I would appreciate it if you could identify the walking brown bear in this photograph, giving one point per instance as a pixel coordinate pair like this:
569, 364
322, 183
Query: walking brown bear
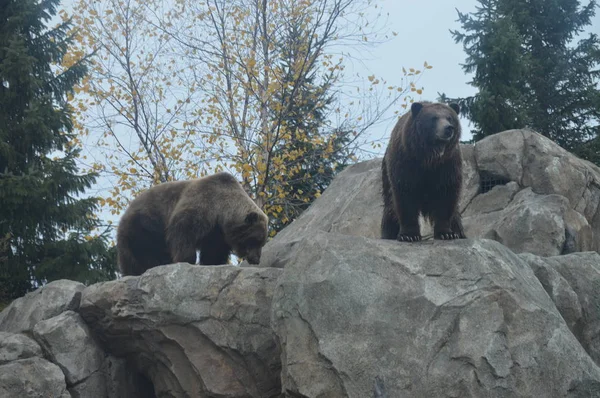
170, 221
422, 173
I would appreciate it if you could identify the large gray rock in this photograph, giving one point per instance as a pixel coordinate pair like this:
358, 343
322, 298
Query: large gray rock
434, 319
532, 160
528, 222
514, 191
44, 303
193, 331
17, 346
32, 377
351, 205
573, 283
67, 342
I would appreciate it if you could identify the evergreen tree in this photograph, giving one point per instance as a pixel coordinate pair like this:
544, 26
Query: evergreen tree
44, 227
528, 71
326, 151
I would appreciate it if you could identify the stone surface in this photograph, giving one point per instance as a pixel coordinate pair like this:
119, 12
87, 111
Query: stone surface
573, 283
17, 346
497, 199
67, 342
48, 301
501, 155
538, 224
351, 205
32, 378
193, 331
358, 316
471, 179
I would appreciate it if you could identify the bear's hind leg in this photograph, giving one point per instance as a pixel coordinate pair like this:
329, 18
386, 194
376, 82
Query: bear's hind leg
389, 225
127, 261
183, 234
138, 244
443, 222
214, 249
457, 227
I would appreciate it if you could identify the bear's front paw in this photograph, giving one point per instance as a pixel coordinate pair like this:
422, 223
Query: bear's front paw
448, 236
409, 238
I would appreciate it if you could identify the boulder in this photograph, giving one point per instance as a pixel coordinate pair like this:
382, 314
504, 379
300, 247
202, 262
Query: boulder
67, 342
359, 317
17, 346
527, 222
44, 303
190, 330
32, 377
573, 283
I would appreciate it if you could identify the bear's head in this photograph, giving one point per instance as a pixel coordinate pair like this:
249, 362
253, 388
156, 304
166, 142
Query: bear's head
248, 237
435, 129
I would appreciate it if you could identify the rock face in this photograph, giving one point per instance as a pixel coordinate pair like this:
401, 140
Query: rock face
193, 331
48, 301
334, 311
32, 377
520, 189
68, 343
177, 331
573, 283
17, 346
562, 192
436, 319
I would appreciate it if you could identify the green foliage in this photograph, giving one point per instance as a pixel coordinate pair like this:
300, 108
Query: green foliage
530, 72
323, 151
45, 228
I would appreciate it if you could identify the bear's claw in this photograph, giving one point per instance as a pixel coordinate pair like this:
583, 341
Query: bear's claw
448, 236
409, 238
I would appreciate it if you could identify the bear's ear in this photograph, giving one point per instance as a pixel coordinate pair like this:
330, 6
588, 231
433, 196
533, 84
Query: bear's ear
455, 107
415, 108
251, 218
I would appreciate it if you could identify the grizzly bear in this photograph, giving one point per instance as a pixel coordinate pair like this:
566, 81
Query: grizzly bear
422, 173
170, 221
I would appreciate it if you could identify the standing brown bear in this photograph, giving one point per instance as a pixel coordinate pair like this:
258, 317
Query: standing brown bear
170, 221
422, 173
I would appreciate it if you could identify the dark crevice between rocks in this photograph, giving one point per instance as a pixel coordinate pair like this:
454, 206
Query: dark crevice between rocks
142, 385
570, 245
379, 388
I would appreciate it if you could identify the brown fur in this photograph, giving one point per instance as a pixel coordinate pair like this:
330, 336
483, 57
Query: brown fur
422, 173
170, 221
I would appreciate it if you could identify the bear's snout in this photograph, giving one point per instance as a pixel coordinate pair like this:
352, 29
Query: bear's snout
446, 134
253, 259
